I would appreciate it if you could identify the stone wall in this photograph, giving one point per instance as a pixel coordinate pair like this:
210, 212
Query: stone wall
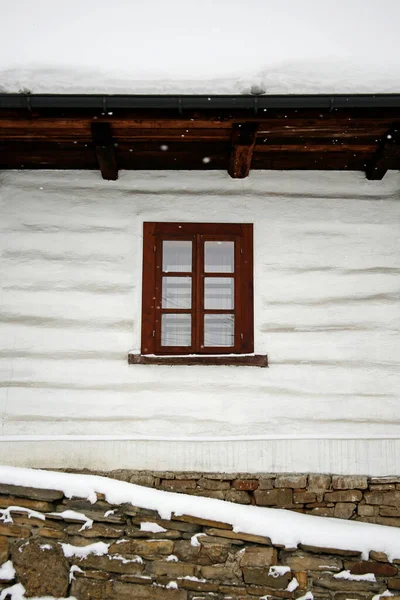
361, 498
104, 552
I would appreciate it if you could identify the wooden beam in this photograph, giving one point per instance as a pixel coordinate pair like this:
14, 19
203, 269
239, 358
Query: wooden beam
17, 155
243, 141
254, 360
387, 155
105, 150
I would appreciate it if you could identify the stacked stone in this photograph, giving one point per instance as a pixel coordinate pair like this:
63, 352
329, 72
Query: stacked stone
185, 558
361, 498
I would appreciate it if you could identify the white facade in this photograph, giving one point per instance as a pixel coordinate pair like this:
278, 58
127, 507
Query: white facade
327, 312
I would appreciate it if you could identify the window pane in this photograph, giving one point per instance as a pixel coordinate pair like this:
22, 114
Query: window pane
176, 292
177, 256
219, 293
219, 330
219, 257
176, 330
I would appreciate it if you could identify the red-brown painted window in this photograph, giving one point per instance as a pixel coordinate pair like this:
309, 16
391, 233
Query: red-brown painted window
197, 288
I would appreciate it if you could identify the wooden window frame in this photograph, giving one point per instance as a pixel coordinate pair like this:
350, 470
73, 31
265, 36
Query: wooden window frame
153, 235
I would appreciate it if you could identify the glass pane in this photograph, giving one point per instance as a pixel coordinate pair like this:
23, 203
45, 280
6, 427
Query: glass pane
176, 330
219, 293
219, 330
176, 292
177, 256
219, 257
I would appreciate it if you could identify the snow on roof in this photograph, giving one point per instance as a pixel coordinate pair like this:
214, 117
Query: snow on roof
281, 526
294, 77
187, 47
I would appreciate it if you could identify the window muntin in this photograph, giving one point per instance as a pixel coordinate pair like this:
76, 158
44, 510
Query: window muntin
197, 289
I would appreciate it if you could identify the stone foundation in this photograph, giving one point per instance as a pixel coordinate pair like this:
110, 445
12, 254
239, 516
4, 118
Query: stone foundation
120, 551
357, 497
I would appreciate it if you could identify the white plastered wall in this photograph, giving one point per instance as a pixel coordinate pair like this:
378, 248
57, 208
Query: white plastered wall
327, 312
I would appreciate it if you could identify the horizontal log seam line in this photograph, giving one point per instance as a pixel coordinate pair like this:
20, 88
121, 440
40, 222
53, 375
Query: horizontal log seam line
213, 439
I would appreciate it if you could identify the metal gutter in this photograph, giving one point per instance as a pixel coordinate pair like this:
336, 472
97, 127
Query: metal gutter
193, 102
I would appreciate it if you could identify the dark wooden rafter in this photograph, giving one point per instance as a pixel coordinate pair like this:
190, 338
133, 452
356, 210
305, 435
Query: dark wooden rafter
243, 142
387, 156
105, 150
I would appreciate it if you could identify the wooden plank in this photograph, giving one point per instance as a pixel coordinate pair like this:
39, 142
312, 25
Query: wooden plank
335, 132
172, 160
83, 124
315, 140
247, 289
304, 161
253, 360
243, 141
316, 147
223, 117
201, 148
105, 151
46, 156
170, 135
52, 156
149, 284
210, 229
162, 137
387, 156
65, 134
64, 128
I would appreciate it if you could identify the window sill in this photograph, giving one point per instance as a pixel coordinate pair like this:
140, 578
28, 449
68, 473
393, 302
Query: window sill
238, 360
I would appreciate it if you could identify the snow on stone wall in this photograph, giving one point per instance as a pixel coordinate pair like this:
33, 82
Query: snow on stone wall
327, 312
89, 537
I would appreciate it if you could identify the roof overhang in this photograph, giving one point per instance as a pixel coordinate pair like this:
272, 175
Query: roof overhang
235, 132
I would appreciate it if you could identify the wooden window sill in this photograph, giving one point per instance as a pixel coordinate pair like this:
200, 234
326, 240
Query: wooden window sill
238, 360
